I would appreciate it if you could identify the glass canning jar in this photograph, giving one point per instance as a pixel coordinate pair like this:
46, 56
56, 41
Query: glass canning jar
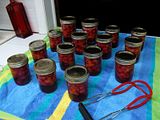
18, 65
38, 49
90, 25
79, 41
46, 74
92, 59
104, 41
114, 31
55, 37
77, 82
124, 65
68, 24
66, 54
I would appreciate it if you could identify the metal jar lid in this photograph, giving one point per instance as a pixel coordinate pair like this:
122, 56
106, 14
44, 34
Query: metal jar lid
18, 60
92, 51
90, 22
53, 33
65, 48
138, 31
104, 38
76, 74
44, 66
112, 29
79, 35
37, 45
68, 20
125, 57
132, 41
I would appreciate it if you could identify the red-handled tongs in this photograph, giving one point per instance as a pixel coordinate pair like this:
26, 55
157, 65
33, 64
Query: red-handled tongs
136, 103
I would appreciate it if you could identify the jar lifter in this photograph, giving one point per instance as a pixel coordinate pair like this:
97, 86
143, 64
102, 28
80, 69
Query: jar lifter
122, 88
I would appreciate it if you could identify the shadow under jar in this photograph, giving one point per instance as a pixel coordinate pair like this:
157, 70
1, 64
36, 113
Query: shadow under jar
18, 65
139, 32
79, 41
90, 25
105, 43
77, 82
92, 59
55, 37
124, 66
66, 54
46, 74
68, 24
133, 44
114, 31
38, 50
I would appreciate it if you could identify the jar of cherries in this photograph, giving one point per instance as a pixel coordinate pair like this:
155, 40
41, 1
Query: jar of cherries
38, 49
18, 65
46, 74
77, 82
92, 59
66, 54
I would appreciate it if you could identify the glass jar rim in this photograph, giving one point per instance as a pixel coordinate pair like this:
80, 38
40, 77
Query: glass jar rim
37, 45
138, 31
79, 35
90, 22
67, 20
133, 41
65, 48
112, 29
53, 33
104, 38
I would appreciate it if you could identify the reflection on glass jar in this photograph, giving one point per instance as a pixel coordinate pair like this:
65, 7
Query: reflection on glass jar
124, 66
55, 37
90, 25
114, 31
79, 41
77, 82
38, 50
105, 43
68, 24
66, 54
133, 44
92, 59
139, 32
46, 74
18, 65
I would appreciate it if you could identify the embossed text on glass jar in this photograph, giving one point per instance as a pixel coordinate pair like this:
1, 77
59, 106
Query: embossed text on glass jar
79, 41
124, 66
114, 31
90, 25
66, 54
38, 49
77, 82
105, 43
68, 24
46, 74
133, 44
55, 37
18, 65
92, 59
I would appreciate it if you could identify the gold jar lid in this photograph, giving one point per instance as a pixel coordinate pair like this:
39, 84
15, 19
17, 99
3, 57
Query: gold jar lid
37, 45
53, 33
90, 22
18, 60
68, 20
44, 66
112, 29
138, 31
79, 35
65, 48
104, 38
76, 74
132, 41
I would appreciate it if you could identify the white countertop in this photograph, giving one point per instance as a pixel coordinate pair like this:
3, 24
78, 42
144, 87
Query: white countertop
16, 45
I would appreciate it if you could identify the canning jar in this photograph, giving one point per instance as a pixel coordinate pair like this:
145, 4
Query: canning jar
124, 66
79, 41
68, 24
90, 25
114, 31
133, 44
46, 74
55, 37
66, 54
38, 49
77, 82
139, 32
92, 59
18, 65
104, 41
